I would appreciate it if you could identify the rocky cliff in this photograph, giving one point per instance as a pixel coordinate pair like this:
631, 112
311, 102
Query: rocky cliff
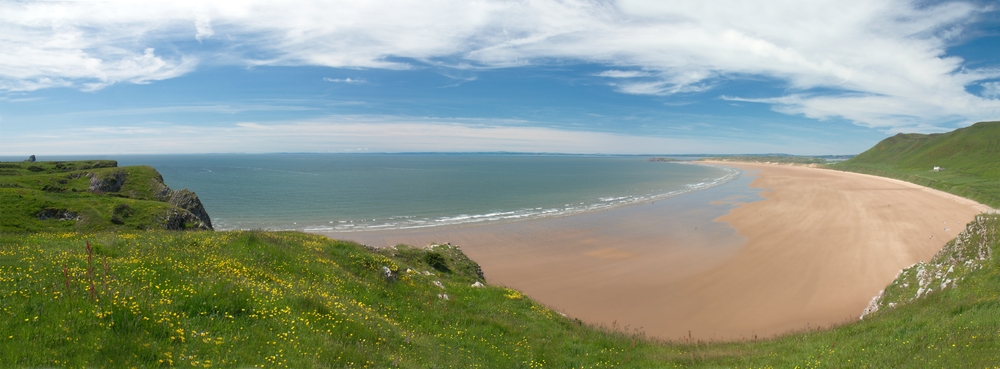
93, 195
972, 250
185, 200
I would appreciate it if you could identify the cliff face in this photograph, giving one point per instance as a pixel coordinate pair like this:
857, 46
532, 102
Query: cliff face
972, 250
189, 214
195, 214
110, 182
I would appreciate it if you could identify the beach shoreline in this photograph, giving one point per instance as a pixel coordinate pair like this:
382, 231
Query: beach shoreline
534, 214
710, 264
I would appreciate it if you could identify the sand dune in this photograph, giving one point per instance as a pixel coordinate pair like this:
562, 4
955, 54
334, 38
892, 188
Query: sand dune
812, 253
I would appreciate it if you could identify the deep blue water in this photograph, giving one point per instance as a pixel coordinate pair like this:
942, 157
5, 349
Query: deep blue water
377, 191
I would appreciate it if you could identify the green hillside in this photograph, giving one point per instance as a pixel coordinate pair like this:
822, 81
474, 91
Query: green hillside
123, 297
970, 158
92, 196
770, 159
287, 299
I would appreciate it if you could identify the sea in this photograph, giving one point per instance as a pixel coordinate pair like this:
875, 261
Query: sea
355, 192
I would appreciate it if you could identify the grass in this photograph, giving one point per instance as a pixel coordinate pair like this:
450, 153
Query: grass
970, 157
286, 299
270, 299
103, 294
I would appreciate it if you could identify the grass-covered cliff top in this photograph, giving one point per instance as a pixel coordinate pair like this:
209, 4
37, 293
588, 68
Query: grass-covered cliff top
92, 196
286, 299
121, 297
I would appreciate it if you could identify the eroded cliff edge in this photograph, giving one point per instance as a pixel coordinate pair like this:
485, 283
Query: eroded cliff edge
94, 195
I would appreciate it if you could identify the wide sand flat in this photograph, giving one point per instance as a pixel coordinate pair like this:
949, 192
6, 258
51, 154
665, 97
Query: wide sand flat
812, 253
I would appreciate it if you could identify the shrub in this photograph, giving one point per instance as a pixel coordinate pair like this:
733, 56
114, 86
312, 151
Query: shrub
436, 261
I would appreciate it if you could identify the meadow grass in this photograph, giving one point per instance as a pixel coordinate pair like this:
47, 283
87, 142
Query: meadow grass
287, 299
102, 294
267, 299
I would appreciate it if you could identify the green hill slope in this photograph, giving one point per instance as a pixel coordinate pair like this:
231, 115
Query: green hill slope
287, 299
128, 298
91, 196
970, 158
282, 299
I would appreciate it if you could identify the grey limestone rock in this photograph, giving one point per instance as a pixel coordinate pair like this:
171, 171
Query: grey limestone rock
109, 183
183, 199
60, 214
180, 219
189, 201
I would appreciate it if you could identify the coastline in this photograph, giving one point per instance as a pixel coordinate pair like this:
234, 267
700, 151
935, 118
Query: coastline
534, 214
711, 263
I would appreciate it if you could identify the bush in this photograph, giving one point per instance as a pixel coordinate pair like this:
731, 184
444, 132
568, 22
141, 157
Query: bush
436, 261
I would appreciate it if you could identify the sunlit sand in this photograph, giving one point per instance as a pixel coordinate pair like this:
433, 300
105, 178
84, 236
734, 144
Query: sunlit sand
717, 264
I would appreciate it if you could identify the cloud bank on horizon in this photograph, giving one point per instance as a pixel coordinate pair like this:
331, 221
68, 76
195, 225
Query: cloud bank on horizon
877, 64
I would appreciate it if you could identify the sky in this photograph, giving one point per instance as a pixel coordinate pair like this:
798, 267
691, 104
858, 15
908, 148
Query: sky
573, 76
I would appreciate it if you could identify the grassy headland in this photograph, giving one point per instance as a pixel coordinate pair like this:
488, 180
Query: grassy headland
968, 160
92, 195
287, 299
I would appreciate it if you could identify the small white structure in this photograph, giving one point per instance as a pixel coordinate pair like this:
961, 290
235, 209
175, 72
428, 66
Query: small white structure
937, 169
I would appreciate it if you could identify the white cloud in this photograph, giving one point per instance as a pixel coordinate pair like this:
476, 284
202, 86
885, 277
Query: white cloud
622, 74
351, 81
459, 80
991, 90
375, 133
203, 27
85, 45
878, 63
200, 109
253, 125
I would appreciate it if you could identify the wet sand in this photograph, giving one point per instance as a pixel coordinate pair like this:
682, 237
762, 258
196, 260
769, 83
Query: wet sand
721, 263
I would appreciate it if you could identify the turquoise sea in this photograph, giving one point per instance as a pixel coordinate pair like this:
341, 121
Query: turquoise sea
343, 192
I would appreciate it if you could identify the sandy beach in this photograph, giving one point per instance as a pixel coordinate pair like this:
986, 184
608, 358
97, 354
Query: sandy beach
722, 263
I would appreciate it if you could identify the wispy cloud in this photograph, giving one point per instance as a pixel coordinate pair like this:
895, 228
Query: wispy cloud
375, 133
881, 64
622, 74
256, 126
991, 90
19, 99
661, 88
348, 80
213, 109
460, 80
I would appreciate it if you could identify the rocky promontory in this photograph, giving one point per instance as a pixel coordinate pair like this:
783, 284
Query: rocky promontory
94, 195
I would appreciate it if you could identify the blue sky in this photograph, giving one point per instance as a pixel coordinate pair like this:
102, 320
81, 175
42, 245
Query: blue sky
611, 77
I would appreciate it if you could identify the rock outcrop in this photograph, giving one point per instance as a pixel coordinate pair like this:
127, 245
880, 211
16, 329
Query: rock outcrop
189, 201
180, 219
183, 199
111, 182
969, 251
59, 214
190, 215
